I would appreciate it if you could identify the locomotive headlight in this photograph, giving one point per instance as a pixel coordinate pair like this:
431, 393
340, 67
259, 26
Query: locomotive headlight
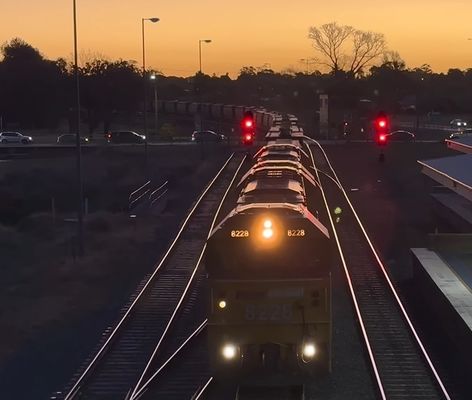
309, 350
229, 351
222, 304
267, 233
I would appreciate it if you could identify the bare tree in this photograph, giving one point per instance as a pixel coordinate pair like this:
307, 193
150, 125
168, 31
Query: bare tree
344, 48
88, 56
328, 40
367, 46
393, 60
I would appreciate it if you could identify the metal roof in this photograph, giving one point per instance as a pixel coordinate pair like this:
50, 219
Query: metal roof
278, 184
289, 155
278, 171
454, 173
455, 286
461, 144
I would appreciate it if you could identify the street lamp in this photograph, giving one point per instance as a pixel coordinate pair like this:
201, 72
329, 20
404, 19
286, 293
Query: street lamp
154, 80
200, 50
153, 20
80, 212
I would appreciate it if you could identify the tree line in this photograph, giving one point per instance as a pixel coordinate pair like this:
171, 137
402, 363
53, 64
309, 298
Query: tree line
36, 92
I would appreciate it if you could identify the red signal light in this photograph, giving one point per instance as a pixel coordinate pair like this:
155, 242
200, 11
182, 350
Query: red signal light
382, 123
247, 123
382, 138
248, 138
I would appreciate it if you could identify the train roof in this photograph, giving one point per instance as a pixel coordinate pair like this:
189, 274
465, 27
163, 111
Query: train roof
279, 155
294, 142
281, 146
273, 190
272, 170
283, 210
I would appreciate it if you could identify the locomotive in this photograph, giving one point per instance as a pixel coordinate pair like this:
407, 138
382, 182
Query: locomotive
268, 265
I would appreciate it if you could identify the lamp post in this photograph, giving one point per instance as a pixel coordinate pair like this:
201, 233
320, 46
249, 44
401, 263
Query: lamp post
153, 20
80, 212
200, 50
154, 79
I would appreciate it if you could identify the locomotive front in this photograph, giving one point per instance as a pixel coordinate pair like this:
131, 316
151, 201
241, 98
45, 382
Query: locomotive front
269, 307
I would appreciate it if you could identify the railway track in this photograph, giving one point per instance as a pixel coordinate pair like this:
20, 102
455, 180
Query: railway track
212, 390
165, 304
400, 363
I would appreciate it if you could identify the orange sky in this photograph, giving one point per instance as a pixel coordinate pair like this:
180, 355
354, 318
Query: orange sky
243, 33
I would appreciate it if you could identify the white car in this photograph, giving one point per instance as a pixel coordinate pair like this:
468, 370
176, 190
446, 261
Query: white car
14, 137
458, 123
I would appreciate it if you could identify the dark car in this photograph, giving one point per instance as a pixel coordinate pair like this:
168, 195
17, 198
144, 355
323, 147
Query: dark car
69, 138
207, 136
401, 136
125, 137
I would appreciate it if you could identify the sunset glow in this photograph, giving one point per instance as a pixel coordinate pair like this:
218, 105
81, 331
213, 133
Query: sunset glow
272, 32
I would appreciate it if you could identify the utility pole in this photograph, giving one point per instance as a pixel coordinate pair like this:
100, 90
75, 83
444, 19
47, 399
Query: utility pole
80, 211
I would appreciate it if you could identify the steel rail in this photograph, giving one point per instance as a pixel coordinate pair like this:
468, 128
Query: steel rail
351, 287
190, 281
145, 386
390, 284
76, 387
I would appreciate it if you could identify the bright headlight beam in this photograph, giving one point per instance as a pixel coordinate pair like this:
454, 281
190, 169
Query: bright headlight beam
229, 351
267, 233
309, 350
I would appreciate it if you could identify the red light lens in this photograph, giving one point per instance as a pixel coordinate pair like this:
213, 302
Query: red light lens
248, 137
382, 123
382, 138
248, 123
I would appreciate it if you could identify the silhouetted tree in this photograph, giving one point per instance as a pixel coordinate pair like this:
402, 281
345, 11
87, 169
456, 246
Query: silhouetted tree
32, 87
109, 88
333, 41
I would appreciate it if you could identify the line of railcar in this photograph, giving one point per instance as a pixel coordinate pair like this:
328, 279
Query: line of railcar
268, 265
264, 119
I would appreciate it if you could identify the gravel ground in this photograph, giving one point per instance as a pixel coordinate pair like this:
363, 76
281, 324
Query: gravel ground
392, 200
53, 308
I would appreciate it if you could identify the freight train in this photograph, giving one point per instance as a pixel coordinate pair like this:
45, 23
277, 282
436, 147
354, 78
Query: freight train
268, 265
263, 118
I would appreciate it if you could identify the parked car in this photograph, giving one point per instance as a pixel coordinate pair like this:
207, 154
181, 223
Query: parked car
14, 137
458, 123
69, 138
125, 137
207, 136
